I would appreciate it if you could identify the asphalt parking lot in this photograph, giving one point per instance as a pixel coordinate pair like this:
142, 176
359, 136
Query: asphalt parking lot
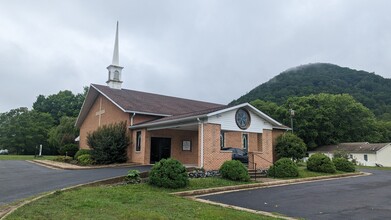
365, 197
22, 179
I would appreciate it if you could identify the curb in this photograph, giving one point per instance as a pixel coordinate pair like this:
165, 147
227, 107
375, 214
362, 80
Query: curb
216, 190
76, 167
10, 210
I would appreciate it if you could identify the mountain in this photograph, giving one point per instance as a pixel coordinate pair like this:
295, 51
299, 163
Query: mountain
370, 89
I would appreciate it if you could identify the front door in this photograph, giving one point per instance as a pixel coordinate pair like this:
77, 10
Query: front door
160, 148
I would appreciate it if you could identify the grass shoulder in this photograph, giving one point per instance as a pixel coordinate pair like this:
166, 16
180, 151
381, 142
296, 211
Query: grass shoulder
25, 157
140, 201
373, 168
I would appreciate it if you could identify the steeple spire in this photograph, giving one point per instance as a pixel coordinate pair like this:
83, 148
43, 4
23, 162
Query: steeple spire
115, 69
116, 51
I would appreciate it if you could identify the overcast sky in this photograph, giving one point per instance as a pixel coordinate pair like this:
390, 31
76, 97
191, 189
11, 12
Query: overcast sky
207, 50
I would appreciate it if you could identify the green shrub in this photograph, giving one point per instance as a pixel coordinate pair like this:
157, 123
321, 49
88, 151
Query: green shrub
343, 164
85, 160
69, 149
82, 152
290, 146
284, 167
320, 163
64, 159
133, 177
168, 173
109, 143
234, 170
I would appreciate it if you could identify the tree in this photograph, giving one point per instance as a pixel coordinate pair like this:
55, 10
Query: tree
22, 131
64, 103
63, 134
109, 143
290, 146
270, 108
328, 119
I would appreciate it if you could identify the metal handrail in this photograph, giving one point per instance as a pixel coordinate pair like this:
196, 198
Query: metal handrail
255, 164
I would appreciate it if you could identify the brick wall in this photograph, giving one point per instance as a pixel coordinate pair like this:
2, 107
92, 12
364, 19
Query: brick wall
233, 139
265, 158
112, 115
213, 156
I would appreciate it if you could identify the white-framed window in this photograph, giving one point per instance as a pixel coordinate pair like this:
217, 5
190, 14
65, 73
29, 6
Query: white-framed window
245, 141
365, 157
116, 75
138, 140
222, 139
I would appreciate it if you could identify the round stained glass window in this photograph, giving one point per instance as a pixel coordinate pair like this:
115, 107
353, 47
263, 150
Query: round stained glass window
242, 118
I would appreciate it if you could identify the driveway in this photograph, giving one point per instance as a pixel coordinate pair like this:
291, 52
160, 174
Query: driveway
21, 179
365, 197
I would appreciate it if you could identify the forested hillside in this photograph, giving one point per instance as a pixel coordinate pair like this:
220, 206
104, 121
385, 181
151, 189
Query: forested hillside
372, 90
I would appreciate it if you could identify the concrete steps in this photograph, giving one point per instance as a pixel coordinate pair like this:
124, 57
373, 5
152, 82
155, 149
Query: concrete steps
256, 173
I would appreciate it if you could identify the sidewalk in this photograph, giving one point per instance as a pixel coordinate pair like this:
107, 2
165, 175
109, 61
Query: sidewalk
68, 166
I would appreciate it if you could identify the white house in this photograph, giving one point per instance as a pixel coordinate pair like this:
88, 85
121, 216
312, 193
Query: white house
364, 153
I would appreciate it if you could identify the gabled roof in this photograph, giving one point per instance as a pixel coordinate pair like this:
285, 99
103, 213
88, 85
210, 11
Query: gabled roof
355, 147
208, 113
142, 103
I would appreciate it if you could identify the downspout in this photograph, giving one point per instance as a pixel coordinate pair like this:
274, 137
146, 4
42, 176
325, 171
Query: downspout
131, 119
202, 142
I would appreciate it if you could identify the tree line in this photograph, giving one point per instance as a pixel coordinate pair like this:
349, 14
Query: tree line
49, 123
325, 119
372, 90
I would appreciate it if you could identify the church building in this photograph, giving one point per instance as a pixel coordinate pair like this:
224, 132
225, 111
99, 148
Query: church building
193, 132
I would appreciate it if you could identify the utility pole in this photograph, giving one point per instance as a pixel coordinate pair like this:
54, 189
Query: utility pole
292, 114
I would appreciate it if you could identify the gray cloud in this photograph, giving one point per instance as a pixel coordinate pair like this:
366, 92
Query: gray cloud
209, 50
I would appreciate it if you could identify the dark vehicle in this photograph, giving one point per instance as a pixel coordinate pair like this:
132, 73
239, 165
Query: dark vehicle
238, 154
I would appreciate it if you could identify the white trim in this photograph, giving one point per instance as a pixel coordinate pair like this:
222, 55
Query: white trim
202, 143
108, 98
146, 113
261, 114
166, 122
171, 126
128, 111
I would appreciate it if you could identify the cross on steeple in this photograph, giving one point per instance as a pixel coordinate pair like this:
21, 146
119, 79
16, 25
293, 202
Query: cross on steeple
100, 112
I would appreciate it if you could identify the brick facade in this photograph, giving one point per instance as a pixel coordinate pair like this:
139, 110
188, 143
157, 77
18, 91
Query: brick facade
259, 144
112, 114
213, 156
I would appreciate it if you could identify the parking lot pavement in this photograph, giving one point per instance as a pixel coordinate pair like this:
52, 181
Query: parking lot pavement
21, 179
365, 197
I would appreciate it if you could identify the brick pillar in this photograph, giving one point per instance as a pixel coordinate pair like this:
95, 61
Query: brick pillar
213, 157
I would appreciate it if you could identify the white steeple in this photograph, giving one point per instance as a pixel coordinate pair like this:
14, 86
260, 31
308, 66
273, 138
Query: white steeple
115, 69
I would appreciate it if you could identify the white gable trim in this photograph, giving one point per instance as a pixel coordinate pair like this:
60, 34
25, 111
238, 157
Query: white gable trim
255, 110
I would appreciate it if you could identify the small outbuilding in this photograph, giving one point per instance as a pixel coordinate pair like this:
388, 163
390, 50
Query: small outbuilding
364, 153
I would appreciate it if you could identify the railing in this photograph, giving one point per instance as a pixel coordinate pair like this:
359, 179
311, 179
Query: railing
255, 164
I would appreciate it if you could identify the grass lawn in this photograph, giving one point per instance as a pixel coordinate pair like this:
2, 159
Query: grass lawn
25, 157
373, 168
140, 201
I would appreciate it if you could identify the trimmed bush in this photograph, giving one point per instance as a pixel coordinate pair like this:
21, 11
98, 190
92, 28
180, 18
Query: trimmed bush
343, 164
108, 143
290, 146
82, 152
234, 170
85, 160
69, 149
284, 167
168, 173
320, 163
64, 159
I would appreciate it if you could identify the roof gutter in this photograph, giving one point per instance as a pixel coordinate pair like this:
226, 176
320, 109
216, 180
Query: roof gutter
167, 122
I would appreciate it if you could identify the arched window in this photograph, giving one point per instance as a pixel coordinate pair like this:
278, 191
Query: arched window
116, 75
